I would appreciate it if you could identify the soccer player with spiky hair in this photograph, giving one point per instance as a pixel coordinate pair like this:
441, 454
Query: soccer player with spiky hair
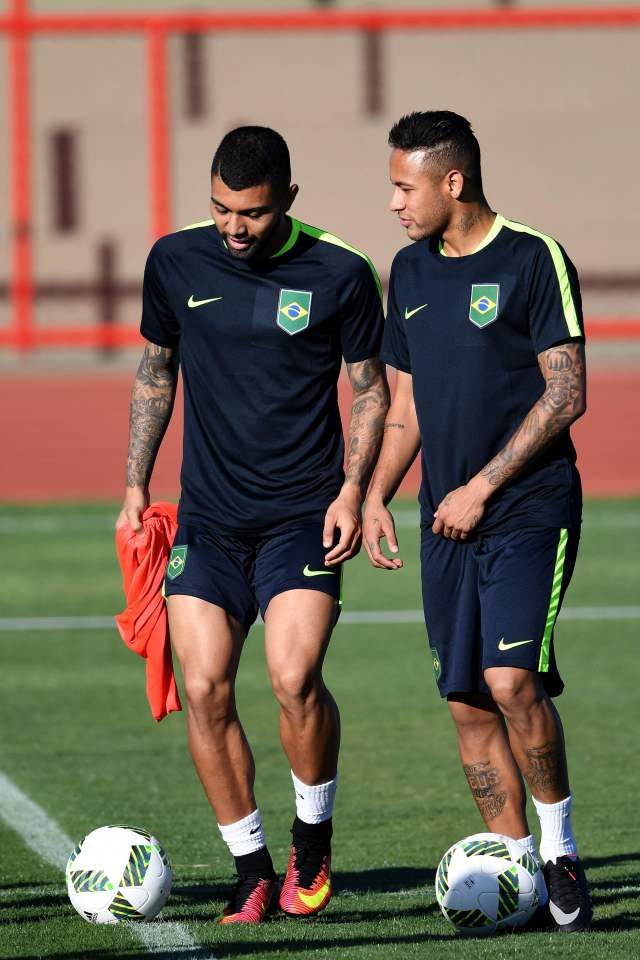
259, 310
484, 330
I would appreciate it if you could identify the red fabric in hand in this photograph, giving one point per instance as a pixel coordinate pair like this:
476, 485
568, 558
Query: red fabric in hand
143, 625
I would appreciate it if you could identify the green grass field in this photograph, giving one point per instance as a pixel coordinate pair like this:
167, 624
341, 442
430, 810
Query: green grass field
79, 740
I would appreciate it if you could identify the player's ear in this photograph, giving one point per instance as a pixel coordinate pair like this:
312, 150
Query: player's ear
455, 184
292, 193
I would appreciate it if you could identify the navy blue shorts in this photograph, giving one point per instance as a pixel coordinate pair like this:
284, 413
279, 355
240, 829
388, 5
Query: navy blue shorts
243, 574
494, 603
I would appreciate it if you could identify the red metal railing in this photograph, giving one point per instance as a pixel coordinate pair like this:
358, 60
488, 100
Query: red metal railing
21, 24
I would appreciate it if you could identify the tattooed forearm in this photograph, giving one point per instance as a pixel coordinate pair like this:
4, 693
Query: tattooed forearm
546, 769
151, 405
485, 785
563, 401
368, 412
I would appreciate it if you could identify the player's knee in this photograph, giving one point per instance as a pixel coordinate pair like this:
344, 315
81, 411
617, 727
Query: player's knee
206, 695
293, 689
473, 711
512, 690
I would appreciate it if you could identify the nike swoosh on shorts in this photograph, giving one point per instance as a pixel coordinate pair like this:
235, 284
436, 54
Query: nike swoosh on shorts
317, 573
508, 646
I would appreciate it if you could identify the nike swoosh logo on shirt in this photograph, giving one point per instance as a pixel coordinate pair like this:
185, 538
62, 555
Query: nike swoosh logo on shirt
508, 646
317, 573
198, 303
409, 313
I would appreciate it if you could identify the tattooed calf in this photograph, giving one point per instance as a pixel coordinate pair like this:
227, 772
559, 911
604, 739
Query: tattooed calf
485, 784
546, 767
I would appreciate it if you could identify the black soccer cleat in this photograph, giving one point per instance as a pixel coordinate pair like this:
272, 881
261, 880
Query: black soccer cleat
569, 896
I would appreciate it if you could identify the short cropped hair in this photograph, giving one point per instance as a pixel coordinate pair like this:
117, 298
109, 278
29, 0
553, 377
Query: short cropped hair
250, 156
447, 137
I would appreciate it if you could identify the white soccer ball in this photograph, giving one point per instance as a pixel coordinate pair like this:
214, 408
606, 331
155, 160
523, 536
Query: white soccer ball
118, 873
488, 882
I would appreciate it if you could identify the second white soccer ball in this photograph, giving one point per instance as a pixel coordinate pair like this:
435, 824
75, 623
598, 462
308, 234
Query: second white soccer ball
488, 882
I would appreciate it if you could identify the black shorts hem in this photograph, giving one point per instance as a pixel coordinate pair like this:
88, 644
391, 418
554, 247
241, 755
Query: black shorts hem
552, 682
296, 585
216, 601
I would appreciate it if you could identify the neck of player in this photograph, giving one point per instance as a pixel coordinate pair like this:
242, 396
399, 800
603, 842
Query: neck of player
467, 229
278, 238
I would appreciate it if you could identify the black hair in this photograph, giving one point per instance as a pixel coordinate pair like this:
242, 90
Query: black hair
447, 137
250, 156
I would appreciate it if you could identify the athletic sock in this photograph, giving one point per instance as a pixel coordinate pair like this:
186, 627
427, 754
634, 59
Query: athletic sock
529, 843
557, 839
317, 833
314, 803
244, 836
256, 864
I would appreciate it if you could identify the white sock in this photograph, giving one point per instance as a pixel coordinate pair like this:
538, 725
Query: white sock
244, 836
314, 804
557, 839
529, 843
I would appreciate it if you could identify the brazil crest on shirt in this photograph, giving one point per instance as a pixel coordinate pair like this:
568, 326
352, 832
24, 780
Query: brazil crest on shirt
483, 306
294, 310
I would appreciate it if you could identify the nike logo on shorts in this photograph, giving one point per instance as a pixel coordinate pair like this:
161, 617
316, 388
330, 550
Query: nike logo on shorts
317, 573
509, 646
198, 303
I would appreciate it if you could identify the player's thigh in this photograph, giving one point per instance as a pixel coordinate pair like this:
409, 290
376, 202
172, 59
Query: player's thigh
215, 568
293, 559
298, 625
452, 613
523, 576
207, 640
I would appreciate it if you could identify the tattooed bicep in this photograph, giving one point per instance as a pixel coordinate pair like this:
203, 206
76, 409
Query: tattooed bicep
158, 364
563, 358
364, 374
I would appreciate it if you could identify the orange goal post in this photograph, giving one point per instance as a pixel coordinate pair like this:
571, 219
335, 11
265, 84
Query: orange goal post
20, 25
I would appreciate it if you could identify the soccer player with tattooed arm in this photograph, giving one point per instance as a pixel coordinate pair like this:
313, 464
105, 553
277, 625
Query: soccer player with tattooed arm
484, 329
258, 310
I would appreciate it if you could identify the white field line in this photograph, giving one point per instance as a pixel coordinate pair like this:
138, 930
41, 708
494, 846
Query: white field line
98, 523
348, 618
43, 835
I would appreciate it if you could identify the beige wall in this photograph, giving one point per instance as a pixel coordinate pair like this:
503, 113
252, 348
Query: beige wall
554, 112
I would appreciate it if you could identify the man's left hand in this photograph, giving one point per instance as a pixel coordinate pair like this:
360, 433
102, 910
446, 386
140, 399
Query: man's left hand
345, 515
460, 512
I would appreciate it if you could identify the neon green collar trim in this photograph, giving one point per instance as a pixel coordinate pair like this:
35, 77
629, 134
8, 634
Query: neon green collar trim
496, 227
293, 236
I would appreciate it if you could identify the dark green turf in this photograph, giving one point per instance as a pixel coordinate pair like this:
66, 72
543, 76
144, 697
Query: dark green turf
77, 736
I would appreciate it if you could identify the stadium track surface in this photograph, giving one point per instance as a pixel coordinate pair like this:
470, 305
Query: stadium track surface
66, 437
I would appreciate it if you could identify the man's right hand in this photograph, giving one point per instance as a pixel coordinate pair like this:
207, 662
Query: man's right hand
135, 503
378, 523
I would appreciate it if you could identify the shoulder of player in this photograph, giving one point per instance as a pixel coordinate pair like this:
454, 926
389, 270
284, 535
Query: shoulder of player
531, 243
184, 239
341, 257
407, 254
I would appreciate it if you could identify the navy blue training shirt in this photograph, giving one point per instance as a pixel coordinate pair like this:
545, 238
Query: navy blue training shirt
469, 330
261, 346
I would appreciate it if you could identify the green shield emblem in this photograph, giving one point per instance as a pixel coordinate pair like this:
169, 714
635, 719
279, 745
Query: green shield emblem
483, 306
294, 310
177, 562
437, 666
